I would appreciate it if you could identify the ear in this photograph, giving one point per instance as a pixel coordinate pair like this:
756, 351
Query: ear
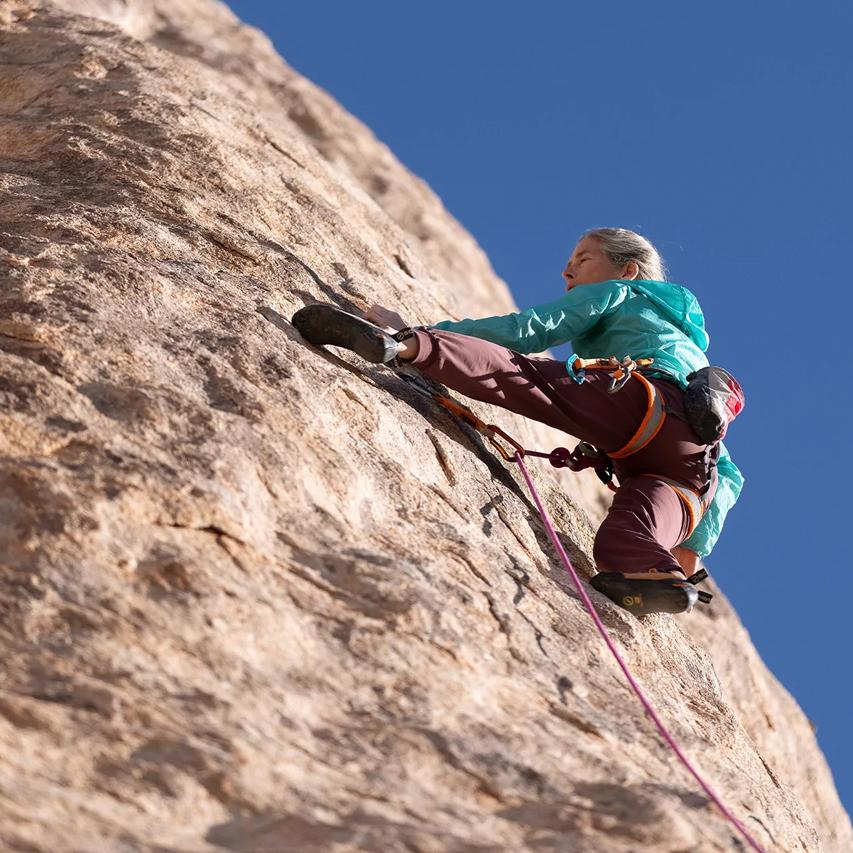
631, 271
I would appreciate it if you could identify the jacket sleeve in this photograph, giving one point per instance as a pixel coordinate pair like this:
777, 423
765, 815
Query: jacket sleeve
548, 325
729, 486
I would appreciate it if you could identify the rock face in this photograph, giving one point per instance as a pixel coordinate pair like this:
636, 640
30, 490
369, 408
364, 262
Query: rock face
256, 596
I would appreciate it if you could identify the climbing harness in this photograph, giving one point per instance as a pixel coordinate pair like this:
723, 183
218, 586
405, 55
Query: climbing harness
651, 424
585, 455
561, 458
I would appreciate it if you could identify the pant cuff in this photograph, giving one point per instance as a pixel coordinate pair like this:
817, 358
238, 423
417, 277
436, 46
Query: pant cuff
427, 350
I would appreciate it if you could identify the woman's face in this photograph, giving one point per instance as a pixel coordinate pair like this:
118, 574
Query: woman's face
589, 265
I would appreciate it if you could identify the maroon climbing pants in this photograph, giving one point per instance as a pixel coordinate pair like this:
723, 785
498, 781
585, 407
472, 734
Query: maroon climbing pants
647, 518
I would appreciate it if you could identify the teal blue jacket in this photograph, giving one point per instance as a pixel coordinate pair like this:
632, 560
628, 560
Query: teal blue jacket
643, 319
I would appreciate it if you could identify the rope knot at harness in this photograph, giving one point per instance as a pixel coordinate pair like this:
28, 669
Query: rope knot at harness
582, 457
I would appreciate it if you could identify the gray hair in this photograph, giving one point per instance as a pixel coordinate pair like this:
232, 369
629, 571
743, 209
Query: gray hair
622, 246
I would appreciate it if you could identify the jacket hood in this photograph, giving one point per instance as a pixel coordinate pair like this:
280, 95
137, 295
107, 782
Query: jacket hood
678, 305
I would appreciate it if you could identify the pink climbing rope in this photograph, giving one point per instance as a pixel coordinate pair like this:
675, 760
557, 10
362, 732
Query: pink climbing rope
649, 708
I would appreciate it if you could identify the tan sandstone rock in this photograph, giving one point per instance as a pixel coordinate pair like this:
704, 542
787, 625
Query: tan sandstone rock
256, 596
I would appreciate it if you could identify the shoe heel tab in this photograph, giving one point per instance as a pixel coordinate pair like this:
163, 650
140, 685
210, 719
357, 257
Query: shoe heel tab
698, 577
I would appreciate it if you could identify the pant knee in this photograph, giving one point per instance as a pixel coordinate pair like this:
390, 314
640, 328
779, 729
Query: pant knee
621, 546
606, 550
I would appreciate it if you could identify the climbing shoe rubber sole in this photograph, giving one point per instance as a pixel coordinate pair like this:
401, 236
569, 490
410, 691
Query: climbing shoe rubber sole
326, 324
642, 597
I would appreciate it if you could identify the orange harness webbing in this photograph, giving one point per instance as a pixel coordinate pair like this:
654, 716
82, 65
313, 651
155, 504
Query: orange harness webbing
691, 499
650, 425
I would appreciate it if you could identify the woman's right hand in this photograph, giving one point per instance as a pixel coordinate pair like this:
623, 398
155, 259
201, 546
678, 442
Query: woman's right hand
385, 318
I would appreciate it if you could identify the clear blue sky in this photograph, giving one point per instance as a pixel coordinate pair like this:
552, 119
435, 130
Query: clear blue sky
722, 132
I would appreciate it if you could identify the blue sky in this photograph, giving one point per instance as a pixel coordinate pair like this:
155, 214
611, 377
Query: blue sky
722, 133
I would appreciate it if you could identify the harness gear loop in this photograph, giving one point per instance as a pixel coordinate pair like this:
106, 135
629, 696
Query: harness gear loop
622, 373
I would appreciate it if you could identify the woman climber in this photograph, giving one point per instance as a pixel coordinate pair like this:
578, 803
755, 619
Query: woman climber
675, 486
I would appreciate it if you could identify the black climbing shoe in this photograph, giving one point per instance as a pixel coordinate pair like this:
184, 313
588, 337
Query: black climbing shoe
326, 324
641, 597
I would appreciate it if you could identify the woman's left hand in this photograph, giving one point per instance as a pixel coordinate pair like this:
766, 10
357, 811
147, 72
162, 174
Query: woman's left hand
387, 319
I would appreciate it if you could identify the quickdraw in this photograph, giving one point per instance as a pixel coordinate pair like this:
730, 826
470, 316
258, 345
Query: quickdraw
489, 430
